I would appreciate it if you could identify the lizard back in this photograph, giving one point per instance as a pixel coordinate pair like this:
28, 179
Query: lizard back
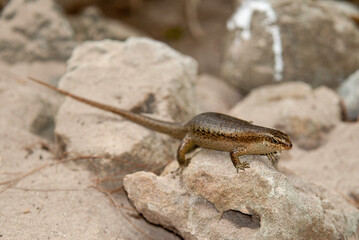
222, 132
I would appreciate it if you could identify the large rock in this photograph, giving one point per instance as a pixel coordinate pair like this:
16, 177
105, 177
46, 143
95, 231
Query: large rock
349, 91
284, 40
335, 164
34, 30
259, 203
140, 75
306, 114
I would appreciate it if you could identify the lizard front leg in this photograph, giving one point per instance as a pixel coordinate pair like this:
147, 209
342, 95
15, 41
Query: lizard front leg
235, 153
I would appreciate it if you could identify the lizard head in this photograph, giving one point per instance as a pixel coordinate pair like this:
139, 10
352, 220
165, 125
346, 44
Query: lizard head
277, 140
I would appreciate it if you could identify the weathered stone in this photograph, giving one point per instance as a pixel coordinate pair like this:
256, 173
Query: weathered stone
349, 92
259, 203
214, 95
140, 75
91, 24
303, 113
34, 30
284, 40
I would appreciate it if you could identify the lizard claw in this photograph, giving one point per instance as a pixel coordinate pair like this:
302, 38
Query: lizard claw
242, 166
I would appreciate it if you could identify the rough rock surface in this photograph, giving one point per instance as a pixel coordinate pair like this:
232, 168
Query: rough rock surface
57, 202
140, 75
303, 113
214, 95
260, 203
349, 92
335, 164
91, 24
34, 30
284, 40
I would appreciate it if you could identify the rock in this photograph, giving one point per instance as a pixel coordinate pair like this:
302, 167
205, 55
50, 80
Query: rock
266, 43
259, 203
92, 25
334, 165
140, 75
349, 92
305, 114
34, 30
214, 95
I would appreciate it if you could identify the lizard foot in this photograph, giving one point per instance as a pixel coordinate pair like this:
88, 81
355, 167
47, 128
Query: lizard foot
242, 166
178, 171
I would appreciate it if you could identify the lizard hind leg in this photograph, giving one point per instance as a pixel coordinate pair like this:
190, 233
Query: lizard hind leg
186, 145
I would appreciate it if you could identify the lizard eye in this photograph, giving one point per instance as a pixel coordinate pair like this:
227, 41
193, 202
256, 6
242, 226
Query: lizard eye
275, 141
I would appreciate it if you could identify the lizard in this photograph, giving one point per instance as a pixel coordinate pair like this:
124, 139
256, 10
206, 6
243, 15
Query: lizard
209, 130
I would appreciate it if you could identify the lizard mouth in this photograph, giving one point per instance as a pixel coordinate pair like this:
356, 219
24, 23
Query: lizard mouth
288, 146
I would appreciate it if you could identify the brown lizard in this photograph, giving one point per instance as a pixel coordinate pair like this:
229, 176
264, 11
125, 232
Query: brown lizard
208, 130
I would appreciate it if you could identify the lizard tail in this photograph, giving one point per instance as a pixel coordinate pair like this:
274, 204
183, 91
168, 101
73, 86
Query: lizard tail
176, 130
